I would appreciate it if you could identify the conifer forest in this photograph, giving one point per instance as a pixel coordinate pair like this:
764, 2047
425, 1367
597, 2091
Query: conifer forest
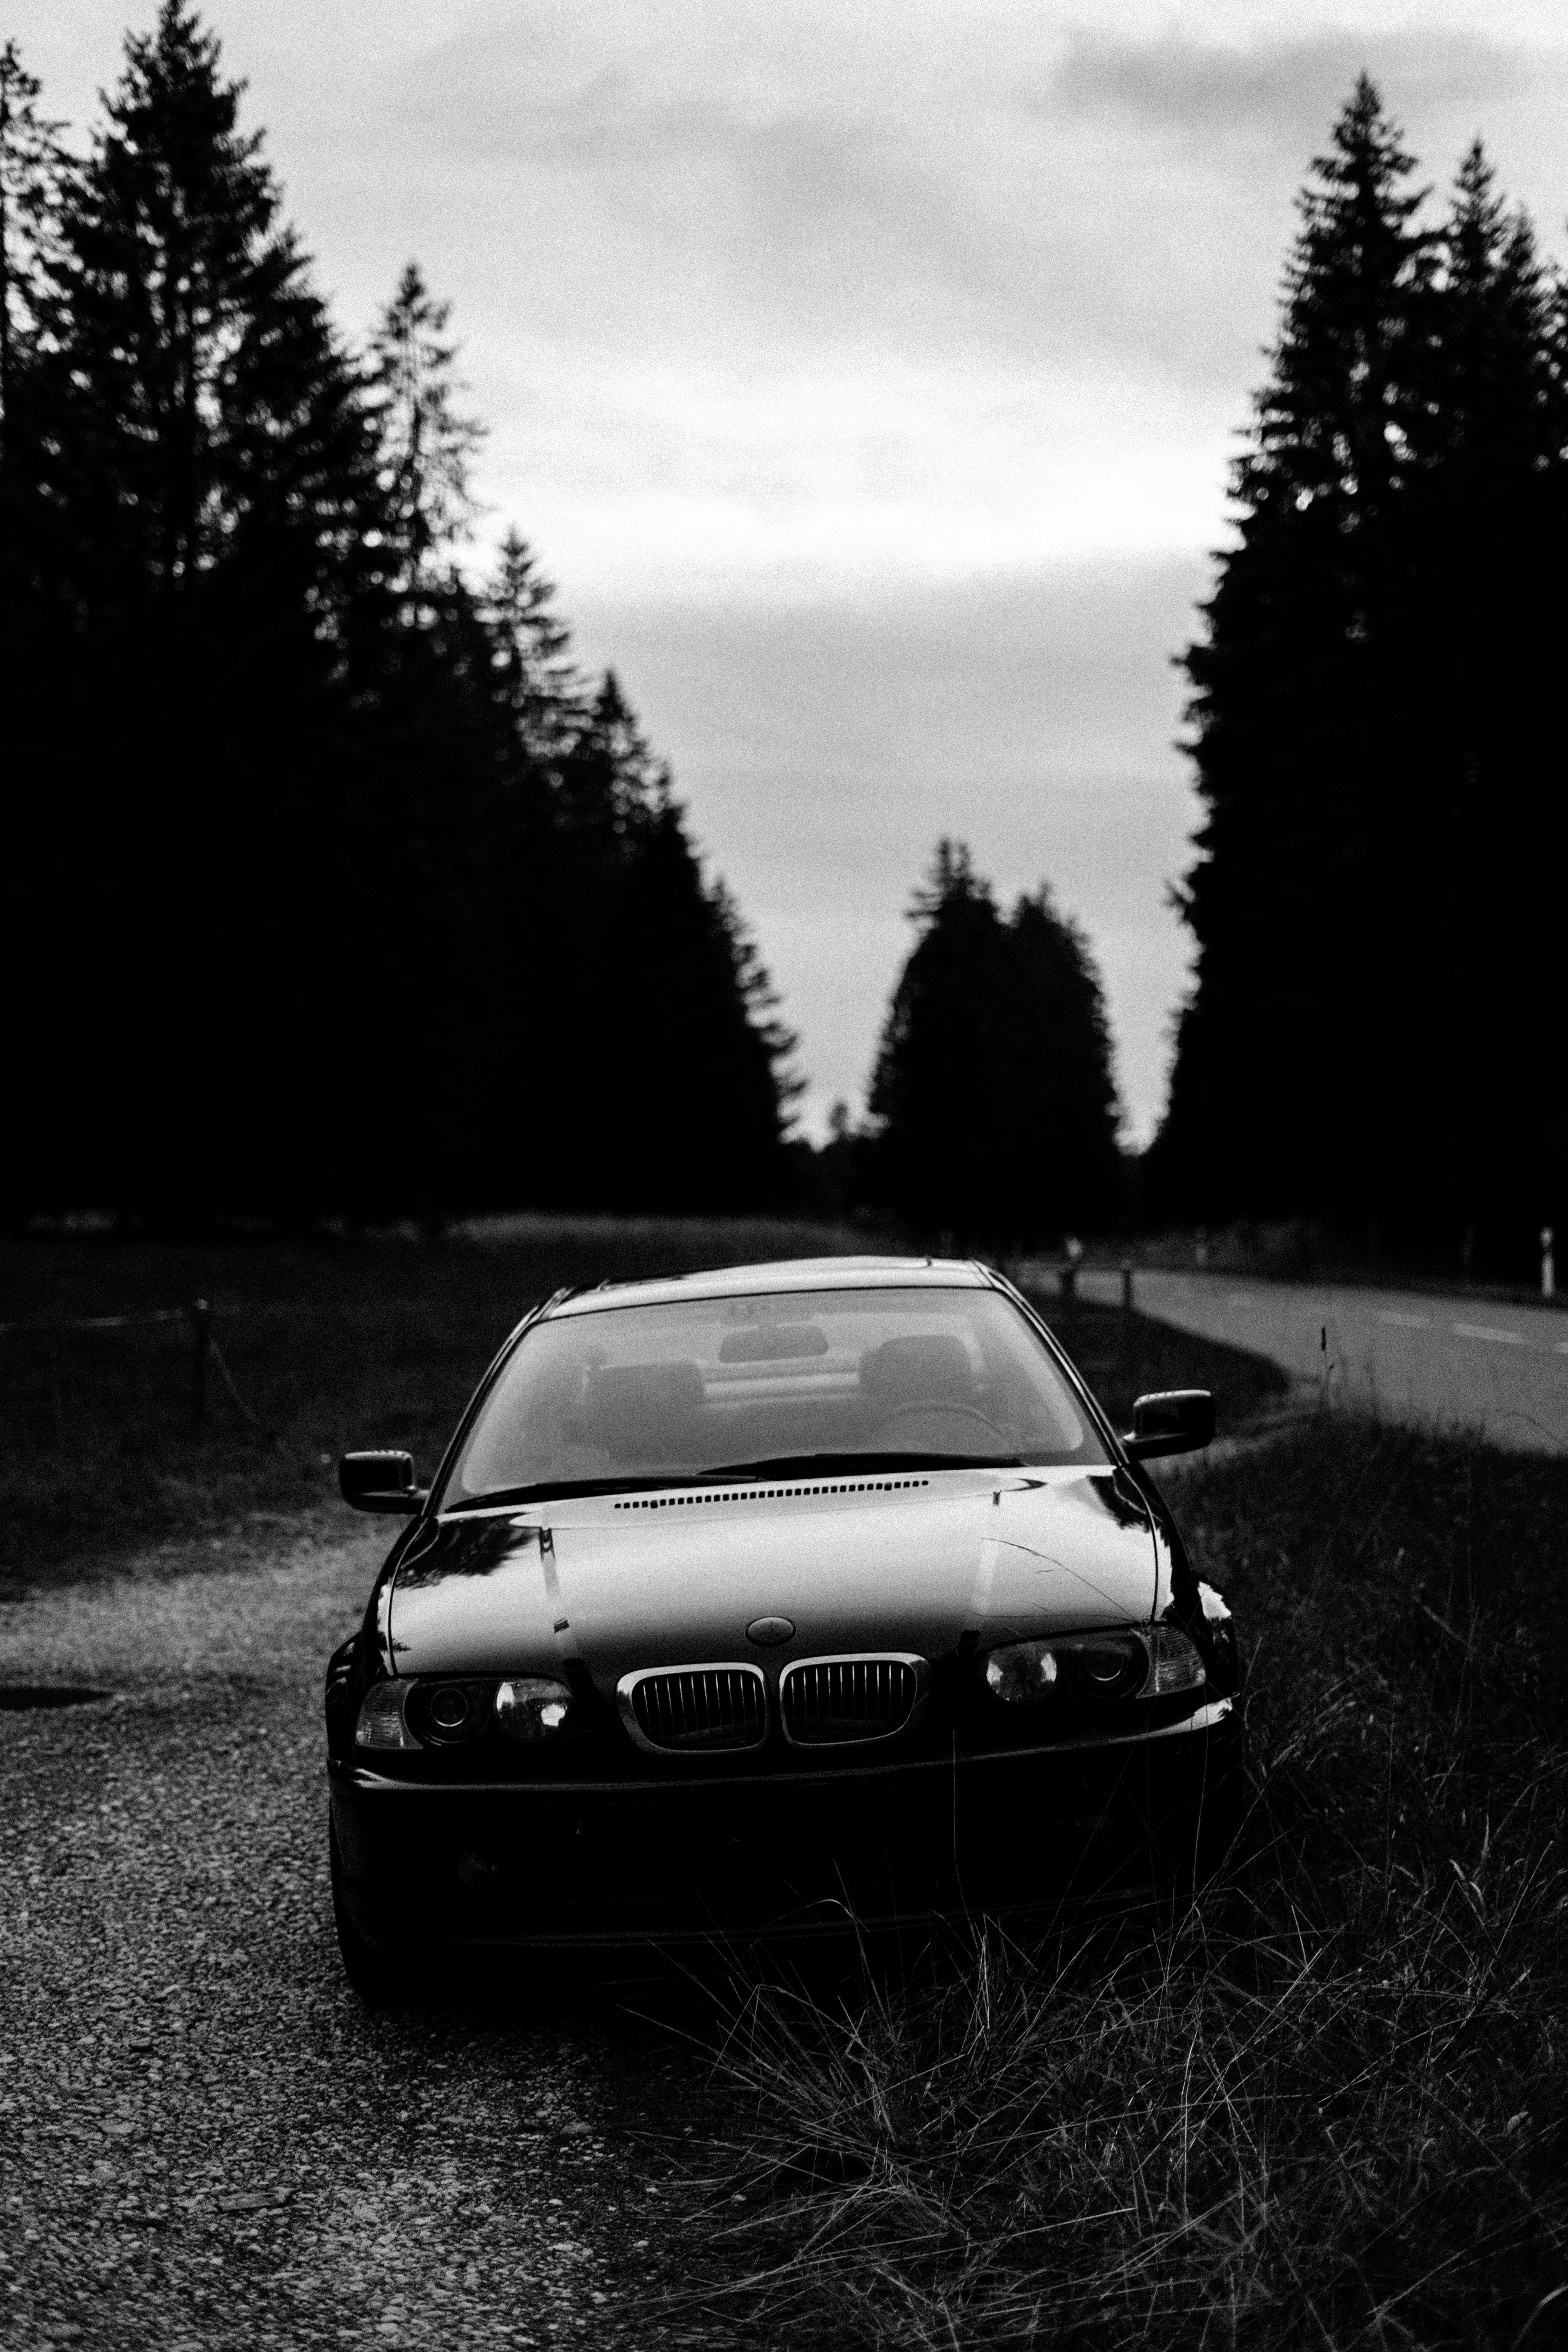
1375, 1035
312, 816
308, 825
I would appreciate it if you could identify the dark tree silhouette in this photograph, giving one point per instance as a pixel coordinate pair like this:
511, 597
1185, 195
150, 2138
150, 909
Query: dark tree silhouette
428, 442
1285, 705
543, 697
208, 468
658, 1019
31, 163
1377, 752
1483, 814
993, 1099
332, 885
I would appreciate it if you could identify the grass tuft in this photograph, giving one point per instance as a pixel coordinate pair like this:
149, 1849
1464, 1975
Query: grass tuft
1326, 2107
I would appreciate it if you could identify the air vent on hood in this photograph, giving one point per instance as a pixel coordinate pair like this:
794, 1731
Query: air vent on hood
766, 1493
695, 1709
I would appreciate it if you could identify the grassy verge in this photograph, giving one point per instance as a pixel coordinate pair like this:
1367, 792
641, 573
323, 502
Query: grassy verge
1122, 1357
1330, 2110
326, 1346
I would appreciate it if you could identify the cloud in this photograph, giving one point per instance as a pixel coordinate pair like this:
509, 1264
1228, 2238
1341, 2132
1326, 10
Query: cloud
1281, 93
766, 194
749, 216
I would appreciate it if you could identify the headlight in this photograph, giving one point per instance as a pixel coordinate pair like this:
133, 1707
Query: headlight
1023, 1675
381, 1723
425, 1712
1079, 1667
446, 1713
529, 1709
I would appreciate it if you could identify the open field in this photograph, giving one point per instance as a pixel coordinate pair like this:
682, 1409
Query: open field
321, 1348
1329, 2111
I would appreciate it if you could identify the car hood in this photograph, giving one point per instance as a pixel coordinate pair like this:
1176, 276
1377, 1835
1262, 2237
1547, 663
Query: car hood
623, 1581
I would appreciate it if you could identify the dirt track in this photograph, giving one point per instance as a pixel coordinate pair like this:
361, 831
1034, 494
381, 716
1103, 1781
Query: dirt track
204, 2139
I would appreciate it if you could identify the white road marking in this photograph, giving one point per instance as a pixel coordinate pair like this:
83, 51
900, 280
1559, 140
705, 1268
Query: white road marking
1482, 1331
1408, 1322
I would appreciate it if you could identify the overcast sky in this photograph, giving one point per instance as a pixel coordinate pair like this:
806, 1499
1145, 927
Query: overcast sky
865, 374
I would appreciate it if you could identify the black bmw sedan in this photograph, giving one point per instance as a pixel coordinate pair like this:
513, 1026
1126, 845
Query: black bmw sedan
755, 1602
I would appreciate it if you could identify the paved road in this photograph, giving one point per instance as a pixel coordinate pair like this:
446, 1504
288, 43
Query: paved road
205, 2140
1468, 1361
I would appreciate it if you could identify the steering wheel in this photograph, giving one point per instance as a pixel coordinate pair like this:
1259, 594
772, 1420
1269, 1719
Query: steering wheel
938, 1405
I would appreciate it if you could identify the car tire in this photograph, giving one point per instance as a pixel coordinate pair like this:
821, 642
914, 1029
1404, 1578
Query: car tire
377, 1977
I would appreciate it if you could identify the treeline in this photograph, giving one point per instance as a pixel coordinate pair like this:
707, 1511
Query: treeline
328, 882
1375, 1039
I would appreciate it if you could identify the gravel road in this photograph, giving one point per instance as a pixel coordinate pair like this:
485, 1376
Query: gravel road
204, 2139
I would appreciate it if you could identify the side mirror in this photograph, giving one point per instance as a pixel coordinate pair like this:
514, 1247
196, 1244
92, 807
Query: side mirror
379, 1482
1178, 1421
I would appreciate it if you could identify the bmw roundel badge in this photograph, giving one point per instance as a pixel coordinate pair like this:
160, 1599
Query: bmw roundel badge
769, 1631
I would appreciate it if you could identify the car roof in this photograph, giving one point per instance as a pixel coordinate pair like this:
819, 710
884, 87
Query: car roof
785, 1274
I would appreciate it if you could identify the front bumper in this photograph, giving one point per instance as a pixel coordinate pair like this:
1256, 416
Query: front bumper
781, 1855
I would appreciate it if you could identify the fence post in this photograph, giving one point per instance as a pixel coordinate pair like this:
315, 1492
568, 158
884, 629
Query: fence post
200, 1342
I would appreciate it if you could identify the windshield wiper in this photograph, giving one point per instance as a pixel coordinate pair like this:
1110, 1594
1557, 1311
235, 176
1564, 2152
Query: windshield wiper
554, 1490
851, 1465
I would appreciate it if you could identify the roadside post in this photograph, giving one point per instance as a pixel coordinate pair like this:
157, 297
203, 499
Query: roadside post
1548, 1264
201, 1342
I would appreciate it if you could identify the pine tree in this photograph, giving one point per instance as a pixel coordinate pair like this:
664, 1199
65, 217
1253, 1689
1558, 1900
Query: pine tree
212, 463
993, 1096
35, 683
941, 1057
1377, 745
689, 1111
428, 441
289, 780
32, 163
1063, 1148
665, 1049
536, 679
1487, 612
1275, 1093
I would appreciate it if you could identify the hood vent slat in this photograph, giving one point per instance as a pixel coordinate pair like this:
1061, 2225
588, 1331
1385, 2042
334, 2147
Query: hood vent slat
766, 1493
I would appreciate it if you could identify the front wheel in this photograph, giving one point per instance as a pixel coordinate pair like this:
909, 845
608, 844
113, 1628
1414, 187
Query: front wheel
376, 1977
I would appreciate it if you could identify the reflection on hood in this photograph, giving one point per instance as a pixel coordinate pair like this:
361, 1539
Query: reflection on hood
911, 1565
466, 1548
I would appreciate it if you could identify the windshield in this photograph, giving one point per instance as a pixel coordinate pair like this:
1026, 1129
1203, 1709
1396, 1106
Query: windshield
774, 1383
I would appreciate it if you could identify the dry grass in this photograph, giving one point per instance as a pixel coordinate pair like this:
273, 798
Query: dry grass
369, 1341
1327, 2109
